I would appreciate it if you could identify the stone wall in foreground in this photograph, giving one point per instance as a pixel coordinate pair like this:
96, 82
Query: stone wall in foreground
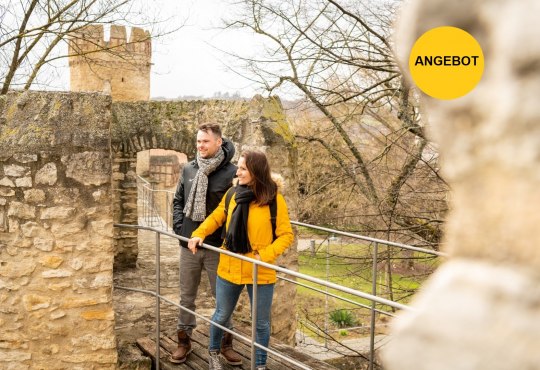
56, 246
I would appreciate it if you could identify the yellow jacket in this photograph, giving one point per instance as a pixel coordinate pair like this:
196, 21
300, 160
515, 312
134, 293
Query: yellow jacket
260, 236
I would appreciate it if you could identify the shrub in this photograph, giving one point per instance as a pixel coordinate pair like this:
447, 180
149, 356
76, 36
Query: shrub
342, 318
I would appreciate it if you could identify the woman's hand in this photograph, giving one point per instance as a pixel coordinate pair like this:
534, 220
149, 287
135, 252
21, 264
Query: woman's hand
193, 243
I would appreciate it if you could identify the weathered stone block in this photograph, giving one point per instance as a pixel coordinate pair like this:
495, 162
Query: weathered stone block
23, 242
61, 230
21, 210
59, 286
14, 356
52, 261
25, 158
47, 175
17, 269
13, 340
98, 195
102, 280
88, 168
13, 225
34, 302
76, 264
59, 213
58, 314
45, 245
7, 182
80, 302
31, 229
94, 341
34, 196
23, 182
6, 192
56, 274
103, 227
14, 170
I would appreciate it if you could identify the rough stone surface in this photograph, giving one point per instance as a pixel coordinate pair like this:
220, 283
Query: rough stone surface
47, 175
88, 168
21, 211
24, 182
7, 182
34, 196
15, 170
25, 158
480, 310
44, 252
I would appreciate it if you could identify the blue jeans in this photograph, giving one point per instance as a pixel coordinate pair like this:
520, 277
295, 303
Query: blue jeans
227, 295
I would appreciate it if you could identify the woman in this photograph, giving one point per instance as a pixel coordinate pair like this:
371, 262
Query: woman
249, 232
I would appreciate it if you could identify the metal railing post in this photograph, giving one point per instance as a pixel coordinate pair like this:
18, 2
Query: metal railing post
254, 299
326, 295
374, 293
158, 293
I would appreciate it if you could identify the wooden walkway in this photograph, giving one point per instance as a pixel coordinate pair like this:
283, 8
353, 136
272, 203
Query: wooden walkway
198, 359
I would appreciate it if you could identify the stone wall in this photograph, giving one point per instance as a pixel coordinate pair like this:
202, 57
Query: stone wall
480, 309
56, 246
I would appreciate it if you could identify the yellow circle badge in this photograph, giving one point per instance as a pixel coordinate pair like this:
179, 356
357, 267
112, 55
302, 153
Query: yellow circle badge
446, 62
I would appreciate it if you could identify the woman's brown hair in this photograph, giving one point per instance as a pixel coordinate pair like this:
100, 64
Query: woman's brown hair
263, 186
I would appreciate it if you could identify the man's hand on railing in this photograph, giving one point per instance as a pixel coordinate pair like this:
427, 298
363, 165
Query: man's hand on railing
193, 243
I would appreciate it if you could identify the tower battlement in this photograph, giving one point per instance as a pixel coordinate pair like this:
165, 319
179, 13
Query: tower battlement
119, 66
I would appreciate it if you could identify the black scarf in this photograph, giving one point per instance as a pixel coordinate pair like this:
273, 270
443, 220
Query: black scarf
236, 238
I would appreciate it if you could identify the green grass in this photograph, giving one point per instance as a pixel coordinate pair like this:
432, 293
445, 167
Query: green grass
350, 265
352, 268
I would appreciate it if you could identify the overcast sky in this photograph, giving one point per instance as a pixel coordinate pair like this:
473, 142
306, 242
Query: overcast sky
189, 62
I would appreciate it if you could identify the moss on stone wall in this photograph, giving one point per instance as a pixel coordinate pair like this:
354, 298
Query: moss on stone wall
273, 111
35, 121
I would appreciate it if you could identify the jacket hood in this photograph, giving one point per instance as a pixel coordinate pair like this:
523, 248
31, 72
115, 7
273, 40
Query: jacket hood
228, 150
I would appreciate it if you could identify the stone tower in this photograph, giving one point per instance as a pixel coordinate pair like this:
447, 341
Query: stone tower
119, 67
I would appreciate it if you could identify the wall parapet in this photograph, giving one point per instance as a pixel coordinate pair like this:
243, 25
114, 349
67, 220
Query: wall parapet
119, 66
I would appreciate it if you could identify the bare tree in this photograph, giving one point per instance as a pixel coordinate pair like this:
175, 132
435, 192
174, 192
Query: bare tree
337, 55
365, 163
34, 33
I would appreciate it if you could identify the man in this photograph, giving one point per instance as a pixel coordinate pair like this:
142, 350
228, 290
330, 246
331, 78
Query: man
203, 183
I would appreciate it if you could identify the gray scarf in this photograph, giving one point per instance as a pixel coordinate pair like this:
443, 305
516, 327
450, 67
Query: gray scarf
196, 203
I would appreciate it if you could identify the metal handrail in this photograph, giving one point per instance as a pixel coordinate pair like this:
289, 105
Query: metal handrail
256, 264
370, 239
375, 252
344, 233
335, 296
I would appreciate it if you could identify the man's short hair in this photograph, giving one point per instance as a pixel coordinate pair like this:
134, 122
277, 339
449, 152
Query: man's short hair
215, 128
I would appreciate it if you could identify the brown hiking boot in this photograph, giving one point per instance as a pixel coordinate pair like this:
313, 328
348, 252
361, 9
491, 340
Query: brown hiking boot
227, 351
184, 348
